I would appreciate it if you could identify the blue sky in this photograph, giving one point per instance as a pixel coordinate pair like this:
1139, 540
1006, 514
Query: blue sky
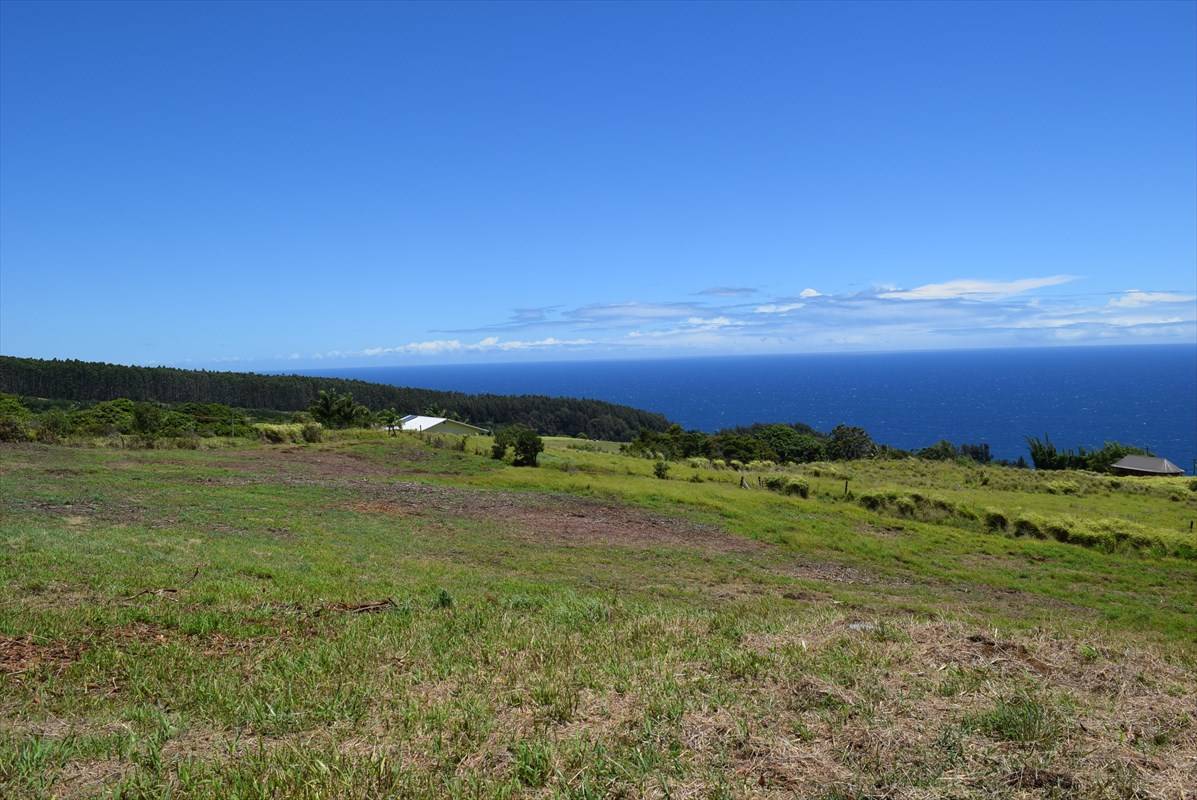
276, 184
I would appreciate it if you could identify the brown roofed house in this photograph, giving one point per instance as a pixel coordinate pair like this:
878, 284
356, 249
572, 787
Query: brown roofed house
1145, 465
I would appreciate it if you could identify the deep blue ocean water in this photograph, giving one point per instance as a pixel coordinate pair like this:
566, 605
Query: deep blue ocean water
1081, 396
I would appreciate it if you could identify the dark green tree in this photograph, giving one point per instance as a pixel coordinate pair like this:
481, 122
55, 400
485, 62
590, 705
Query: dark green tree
848, 443
528, 447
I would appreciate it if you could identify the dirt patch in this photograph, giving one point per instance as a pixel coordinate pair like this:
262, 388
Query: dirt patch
883, 531
562, 519
76, 514
387, 507
143, 632
214, 644
22, 655
273, 463
90, 778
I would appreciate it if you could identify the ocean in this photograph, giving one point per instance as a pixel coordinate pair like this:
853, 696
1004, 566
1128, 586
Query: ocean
1080, 396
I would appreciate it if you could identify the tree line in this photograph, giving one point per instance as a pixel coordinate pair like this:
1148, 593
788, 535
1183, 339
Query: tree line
1046, 455
794, 443
89, 382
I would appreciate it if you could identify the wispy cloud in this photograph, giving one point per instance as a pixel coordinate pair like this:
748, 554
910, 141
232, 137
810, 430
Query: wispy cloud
1136, 298
627, 312
728, 291
778, 308
959, 312
443, 346
971, 289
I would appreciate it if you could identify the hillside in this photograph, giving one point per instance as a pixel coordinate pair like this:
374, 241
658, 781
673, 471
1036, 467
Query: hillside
376, 616
90, 381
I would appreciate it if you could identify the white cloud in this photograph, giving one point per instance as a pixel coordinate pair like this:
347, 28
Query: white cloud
810, 293
713, 322
969, 289
441, 346
779, 308
1135, 298
549, 342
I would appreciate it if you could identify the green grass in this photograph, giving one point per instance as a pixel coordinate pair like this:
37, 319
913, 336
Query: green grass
182, 623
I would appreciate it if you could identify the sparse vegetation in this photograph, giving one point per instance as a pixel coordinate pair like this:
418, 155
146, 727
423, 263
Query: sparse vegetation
399, 615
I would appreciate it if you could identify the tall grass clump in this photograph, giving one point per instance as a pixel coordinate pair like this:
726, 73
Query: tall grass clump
280, 433
1022, 718
795, 487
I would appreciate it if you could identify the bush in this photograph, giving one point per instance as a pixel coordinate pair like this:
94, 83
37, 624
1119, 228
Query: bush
1027, 525
280, 434
1193, 485
312, 432
527, 444
996, 520
271, 434
13, 430
661, 470
781, 483
798, 487
1062, 487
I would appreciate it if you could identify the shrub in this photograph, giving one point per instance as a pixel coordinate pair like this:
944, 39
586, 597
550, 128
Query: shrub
661, 470
280, 434
13, 430
776, 483
312, 432
1027, 525
718, 463
798, 487
872, 501
526, 443
996, 520
1193, 485
271, 434
1062, 487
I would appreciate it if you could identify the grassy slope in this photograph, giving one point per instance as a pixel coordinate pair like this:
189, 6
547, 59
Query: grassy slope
819, 649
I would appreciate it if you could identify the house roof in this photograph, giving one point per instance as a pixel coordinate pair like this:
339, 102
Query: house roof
1161, 466
414, 422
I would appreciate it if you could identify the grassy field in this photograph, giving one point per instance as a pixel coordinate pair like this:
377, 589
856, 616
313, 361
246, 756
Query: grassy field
375, 616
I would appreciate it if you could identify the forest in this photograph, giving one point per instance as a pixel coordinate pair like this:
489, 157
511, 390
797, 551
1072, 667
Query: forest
88, 382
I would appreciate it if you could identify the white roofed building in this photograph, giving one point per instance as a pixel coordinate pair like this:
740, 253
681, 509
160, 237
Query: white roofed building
416, 423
